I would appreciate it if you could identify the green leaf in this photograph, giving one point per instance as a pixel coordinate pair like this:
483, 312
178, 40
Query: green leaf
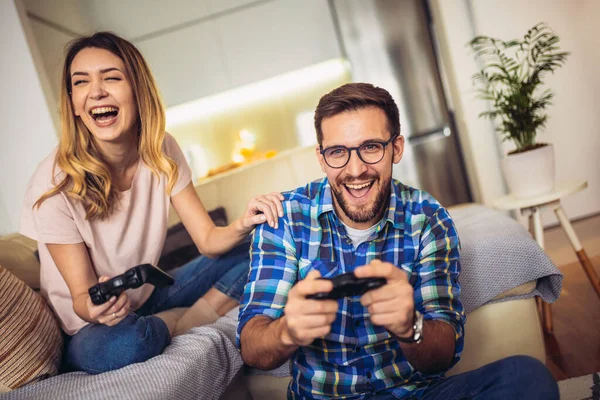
512, 73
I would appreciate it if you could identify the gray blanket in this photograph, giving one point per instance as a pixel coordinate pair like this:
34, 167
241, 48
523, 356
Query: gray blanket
197, 365
498, 254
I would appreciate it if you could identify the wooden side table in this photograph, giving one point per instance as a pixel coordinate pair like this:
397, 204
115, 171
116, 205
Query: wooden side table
531, 206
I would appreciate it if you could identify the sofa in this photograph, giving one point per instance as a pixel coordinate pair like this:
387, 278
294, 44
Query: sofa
503, 270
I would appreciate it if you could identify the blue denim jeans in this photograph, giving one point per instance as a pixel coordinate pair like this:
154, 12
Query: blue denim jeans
140, 336
517, 377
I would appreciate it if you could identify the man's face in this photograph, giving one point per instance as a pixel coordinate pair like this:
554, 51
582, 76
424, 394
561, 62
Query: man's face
360, 190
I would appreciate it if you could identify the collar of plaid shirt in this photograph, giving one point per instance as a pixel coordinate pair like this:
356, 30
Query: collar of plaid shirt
357, 358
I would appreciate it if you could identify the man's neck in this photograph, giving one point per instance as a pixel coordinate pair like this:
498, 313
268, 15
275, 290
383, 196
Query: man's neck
359, 225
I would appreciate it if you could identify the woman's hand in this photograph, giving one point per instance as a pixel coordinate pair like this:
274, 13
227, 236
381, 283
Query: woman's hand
263, 208
113, 311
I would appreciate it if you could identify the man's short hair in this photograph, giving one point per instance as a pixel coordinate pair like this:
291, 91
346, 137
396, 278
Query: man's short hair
353, 97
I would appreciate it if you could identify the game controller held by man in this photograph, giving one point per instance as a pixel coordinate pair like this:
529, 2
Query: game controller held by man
390, 303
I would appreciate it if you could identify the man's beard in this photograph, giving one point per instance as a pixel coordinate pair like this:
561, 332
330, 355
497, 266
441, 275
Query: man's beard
365, 213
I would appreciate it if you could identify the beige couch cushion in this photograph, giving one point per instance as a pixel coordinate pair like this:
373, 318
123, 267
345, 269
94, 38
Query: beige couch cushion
498, 330
4, 389
525, 288
17, 254
31, 344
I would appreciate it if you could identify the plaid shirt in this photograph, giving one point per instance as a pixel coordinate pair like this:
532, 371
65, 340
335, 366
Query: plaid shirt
356, 358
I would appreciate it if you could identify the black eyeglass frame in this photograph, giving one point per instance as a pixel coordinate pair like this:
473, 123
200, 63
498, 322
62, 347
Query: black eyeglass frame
357, 149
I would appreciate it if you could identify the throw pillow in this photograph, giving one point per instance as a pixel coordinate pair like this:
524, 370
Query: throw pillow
31, 345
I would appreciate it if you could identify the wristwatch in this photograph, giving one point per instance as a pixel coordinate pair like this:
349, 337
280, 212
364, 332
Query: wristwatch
417, 330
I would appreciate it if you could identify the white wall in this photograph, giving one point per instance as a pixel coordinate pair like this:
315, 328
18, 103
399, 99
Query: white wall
195, 48
574, 121
27, 133
478, 140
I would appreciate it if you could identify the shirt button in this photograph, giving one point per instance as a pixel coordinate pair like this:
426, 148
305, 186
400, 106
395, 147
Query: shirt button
357, 323
369, 375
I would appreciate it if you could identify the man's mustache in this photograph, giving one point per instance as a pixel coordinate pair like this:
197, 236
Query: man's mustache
363, 177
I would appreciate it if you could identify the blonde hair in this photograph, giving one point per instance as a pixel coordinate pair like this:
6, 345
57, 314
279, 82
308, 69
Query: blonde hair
87, 177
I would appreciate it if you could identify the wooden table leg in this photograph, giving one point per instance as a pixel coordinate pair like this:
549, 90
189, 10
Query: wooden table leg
579, 250
538, 234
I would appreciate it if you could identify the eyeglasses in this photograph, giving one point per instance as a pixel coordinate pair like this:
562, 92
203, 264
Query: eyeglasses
370, 152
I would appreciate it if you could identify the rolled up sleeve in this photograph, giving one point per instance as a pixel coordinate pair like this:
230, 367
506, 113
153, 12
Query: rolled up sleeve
436, 285
273, 271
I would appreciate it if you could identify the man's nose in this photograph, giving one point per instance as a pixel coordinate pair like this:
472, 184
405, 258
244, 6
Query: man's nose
355, 166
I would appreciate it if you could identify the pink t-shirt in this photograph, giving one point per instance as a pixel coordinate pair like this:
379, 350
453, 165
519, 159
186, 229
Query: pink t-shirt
133, 234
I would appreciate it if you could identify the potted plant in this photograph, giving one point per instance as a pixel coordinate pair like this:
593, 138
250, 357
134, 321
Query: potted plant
512, 79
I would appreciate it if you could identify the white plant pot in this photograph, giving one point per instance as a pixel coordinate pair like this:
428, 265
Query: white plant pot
530, 173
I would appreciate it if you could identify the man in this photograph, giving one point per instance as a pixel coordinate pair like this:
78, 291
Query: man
392, 342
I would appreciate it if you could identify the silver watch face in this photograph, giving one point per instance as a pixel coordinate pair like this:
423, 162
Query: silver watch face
418, 327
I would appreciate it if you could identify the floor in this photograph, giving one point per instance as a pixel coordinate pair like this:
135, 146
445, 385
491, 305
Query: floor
574, 347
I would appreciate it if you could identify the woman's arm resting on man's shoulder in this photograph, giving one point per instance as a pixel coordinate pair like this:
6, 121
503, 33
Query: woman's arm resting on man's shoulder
212, 240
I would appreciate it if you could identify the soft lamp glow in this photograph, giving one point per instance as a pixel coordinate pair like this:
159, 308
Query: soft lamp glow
244, 146
197, 160
238, 158
256, 92
248, 138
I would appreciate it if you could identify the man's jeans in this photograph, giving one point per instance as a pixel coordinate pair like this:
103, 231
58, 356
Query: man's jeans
140, 336
518, 377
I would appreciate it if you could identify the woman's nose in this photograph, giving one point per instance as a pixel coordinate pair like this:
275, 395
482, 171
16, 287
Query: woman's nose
97, 90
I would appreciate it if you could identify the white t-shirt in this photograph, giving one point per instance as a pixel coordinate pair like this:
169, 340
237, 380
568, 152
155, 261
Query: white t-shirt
359, 236
133, 234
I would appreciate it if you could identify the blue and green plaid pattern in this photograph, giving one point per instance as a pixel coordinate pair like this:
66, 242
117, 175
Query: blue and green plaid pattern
356, 358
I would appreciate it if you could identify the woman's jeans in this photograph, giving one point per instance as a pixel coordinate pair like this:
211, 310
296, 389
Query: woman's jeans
140, 336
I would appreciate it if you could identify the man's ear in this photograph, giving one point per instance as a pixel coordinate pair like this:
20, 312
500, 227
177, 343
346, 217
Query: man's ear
398, 144
320, 158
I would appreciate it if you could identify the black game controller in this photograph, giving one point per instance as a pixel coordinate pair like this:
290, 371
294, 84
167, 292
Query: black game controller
133, 278
347, 285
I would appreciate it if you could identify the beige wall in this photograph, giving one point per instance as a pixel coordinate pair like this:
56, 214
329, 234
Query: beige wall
271, 117
27, 133
574, 118
232, 190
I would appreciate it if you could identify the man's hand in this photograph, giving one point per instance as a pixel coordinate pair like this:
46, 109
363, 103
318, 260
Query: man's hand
392, 305
306, 320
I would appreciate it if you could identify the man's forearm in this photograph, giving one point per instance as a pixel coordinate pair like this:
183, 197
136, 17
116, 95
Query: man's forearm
436, 350
262, 345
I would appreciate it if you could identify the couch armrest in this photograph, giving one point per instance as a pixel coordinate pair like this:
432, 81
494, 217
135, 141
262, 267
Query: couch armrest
498, 330
18, 254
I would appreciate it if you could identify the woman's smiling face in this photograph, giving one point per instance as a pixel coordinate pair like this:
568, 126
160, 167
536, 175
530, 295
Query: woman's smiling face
102, 95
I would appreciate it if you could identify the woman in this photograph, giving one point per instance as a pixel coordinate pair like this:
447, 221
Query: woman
98, 205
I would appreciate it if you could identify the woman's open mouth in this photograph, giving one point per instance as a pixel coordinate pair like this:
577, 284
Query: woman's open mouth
104, 116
